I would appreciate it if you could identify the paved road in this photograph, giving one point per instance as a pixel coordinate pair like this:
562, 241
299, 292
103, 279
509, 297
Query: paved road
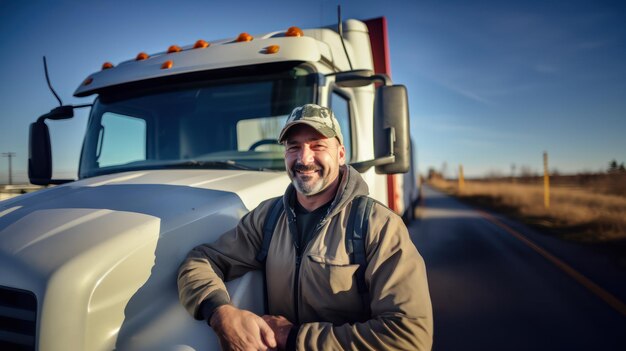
492, 291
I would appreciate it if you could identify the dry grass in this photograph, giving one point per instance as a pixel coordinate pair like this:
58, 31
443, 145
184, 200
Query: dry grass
575, 213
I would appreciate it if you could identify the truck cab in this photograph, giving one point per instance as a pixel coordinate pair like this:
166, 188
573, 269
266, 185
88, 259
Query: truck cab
179, 145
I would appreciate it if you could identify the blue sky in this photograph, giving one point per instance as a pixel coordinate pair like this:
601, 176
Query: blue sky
491, 83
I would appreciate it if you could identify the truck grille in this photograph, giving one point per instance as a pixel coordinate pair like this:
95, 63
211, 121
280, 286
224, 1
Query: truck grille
18, 319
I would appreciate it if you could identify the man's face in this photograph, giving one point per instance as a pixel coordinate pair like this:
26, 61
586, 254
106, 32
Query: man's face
311, 159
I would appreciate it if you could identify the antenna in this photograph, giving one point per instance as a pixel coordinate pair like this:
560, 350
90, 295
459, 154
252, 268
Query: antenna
340, 30
45, 68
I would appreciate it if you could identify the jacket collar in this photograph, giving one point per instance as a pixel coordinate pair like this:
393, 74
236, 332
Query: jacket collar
351, 185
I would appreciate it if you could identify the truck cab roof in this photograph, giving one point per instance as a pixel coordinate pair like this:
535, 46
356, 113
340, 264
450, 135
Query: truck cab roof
311, 45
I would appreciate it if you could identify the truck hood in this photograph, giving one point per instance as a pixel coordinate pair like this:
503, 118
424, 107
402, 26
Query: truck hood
106, 241
49, 227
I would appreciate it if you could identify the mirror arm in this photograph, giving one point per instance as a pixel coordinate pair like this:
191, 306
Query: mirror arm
363, 166
383, 78
359, 78
61, 112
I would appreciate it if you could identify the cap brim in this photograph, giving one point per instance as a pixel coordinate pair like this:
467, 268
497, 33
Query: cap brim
319, 127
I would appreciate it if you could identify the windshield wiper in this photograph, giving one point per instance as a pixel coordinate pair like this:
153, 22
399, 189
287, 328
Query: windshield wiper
228, 164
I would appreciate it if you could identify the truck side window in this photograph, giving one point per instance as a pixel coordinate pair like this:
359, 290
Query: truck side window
260, 134
341, 107
122, 139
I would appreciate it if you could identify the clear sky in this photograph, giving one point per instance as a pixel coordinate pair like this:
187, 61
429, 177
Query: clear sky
491, 83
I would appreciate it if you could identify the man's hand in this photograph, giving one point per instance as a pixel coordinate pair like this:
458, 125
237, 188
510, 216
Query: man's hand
241, 329
281, 327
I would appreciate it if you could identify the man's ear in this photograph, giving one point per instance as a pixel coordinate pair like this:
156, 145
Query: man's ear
342, 155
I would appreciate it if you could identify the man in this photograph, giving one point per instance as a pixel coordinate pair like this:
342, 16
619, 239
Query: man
313, 300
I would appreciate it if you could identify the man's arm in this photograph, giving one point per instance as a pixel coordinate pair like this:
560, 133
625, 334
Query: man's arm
400, 302
203, 293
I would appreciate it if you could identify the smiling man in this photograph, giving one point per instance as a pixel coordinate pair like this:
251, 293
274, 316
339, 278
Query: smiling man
318, 297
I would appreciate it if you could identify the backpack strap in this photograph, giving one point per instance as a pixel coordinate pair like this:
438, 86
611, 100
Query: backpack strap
268, 231
356, 233
268, 228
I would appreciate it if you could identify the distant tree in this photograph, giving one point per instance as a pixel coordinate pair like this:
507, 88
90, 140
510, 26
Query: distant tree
614, 167
526, 171
493, 174
433, 174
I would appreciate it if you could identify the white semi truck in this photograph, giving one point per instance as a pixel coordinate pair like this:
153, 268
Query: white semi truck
179, 145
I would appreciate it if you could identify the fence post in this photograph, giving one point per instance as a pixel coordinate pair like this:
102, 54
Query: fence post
461, 179
546, 181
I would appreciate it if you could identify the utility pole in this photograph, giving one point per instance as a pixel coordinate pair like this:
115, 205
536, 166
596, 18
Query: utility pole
546, 182
461, 179
10, 155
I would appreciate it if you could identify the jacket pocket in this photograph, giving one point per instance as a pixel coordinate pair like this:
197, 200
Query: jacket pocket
339, 276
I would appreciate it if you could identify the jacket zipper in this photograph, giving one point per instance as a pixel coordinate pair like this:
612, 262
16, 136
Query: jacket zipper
296, 287
291, 222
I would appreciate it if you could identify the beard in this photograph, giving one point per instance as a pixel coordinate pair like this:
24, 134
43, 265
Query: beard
304, 183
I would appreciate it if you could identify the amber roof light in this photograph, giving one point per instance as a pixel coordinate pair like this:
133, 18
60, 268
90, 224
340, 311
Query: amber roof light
142, 56
244, 37
200, 44
107, 65
272, 49
294, 32
167, 64
173, 49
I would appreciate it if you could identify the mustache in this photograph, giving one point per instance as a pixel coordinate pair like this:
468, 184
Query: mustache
300, 167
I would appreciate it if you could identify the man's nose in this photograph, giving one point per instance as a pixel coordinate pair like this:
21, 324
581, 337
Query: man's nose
306, 155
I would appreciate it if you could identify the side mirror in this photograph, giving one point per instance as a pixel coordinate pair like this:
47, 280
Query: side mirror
39, 149
391, 129
392, 153
39, 154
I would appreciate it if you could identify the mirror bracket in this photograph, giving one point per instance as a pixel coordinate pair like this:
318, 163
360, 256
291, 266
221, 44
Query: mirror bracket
363, 166
359, 78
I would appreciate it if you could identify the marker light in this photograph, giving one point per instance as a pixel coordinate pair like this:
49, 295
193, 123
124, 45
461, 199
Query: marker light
107, 65
272, 49
167, 64
244, 37
142, 56
200, 44
173, 49
88, 81
294, 32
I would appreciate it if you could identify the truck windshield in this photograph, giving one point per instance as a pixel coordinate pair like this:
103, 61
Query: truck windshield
224, 124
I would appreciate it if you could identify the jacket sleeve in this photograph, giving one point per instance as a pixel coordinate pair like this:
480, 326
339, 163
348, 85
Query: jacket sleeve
202, 274
401, 311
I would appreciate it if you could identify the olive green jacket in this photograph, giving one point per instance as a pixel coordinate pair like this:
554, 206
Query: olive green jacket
322, 297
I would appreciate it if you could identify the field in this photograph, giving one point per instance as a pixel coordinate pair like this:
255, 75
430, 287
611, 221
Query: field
10, 191
583, 208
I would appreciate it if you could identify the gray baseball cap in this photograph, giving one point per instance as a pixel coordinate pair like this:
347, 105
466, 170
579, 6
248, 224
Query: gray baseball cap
319, 117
